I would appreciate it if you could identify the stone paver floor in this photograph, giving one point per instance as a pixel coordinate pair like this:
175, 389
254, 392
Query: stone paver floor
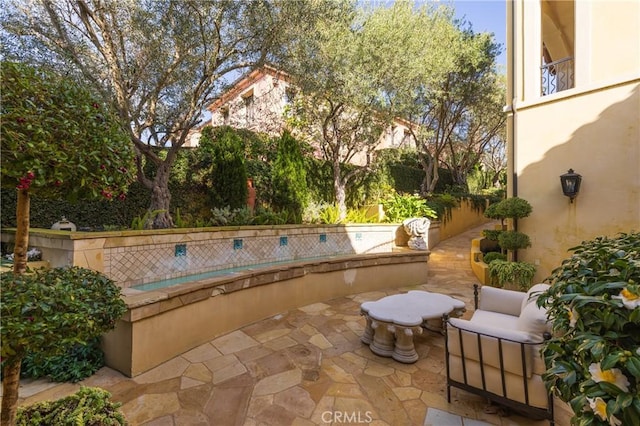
306, 367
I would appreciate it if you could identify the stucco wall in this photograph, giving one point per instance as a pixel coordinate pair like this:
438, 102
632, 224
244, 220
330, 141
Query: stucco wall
598, 135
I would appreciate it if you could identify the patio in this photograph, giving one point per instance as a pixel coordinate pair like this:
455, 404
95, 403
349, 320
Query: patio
307, 367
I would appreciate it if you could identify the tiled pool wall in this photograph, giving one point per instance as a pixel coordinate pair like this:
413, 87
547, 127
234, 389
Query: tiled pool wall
198, 252
132, 258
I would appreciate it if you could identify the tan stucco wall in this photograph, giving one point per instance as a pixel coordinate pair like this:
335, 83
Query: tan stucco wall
156, 331
593, 128
462, 218
598, 135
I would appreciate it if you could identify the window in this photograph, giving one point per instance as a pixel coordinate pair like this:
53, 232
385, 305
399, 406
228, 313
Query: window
249, 107
289, 95
225, 116
558, 28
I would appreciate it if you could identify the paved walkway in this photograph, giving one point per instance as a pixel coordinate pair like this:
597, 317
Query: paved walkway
306, 367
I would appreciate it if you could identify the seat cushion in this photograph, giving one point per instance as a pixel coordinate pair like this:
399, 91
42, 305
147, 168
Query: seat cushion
494, 319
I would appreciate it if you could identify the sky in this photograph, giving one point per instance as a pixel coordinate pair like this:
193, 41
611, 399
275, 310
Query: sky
485, 16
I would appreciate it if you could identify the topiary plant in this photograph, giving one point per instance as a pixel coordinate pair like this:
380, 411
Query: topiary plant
491, 256
48, 311
593, 360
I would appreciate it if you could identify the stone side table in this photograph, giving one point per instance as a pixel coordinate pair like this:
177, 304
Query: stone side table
392, 321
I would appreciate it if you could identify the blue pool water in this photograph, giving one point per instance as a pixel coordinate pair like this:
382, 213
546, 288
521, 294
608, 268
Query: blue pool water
218, 273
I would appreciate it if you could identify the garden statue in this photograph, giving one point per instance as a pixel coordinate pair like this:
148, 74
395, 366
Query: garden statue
417, 228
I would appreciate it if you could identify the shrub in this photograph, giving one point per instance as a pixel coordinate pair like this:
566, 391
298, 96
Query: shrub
290, 191
491, 256
520, 274
491, 234
88, 407
593, 360
78, 363
510, 208
399, 207
513, 240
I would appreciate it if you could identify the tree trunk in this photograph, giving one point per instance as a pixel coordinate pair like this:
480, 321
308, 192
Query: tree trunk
340, 193
10, 389
160, 216
22, 232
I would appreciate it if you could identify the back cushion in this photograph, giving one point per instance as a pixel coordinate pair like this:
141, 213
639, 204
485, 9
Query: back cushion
533, 320
532, 294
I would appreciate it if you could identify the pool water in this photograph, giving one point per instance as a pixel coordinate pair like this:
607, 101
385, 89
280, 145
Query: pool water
218, 273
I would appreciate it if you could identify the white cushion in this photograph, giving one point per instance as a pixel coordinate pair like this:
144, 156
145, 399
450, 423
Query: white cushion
533, 293
533, 320
495, 319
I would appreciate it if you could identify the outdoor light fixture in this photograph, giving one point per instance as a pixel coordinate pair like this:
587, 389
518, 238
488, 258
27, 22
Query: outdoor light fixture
570, 182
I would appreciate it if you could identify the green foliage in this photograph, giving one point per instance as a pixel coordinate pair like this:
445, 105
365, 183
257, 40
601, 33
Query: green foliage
139, 223
87, 407
227, 216
221, 152
491, 234
398, 207
78, 363
519, 274
493, 255
594, 306
58, 140
290, 178
509, 208
49, 310
443, 204
330, 214
360, 216
513, 240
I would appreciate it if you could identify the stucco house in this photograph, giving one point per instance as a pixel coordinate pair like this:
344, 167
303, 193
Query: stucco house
573, 72
258, 100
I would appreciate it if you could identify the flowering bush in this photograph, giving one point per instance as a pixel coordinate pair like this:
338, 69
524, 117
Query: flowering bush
593, 359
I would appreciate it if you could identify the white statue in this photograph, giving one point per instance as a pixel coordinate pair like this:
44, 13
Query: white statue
418, 229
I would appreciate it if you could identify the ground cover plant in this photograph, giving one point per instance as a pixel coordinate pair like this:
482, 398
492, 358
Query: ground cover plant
87, 407
593, 358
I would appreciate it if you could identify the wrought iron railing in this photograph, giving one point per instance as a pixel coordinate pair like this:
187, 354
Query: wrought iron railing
557, 76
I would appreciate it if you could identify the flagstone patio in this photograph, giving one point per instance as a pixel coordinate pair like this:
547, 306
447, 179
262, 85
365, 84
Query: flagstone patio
307, 367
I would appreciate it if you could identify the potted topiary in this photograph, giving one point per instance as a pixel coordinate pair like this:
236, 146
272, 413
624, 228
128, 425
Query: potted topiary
509, 273
593, 358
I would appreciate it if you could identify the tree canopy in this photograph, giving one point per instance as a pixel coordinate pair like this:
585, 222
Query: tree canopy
159, 62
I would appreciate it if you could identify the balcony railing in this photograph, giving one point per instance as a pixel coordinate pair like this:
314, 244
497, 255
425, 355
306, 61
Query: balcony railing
557, 76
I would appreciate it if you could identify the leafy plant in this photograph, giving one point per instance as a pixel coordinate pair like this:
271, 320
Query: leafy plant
520, 274
513, 240
88, 406
46, 312
399, 207
509, 208
139, 223
229, 217
491, 256
78, 363
360, 216
330, 213
491, 234
593, 359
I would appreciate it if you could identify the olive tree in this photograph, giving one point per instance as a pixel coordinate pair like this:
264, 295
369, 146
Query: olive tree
160, 62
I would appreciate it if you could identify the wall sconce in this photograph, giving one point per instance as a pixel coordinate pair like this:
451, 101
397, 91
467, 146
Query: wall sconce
570, 182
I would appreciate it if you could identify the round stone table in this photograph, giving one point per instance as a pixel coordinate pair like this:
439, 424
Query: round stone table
393, 320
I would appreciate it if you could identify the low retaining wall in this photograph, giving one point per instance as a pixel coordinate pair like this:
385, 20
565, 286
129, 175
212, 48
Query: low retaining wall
164, 323
132, 258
